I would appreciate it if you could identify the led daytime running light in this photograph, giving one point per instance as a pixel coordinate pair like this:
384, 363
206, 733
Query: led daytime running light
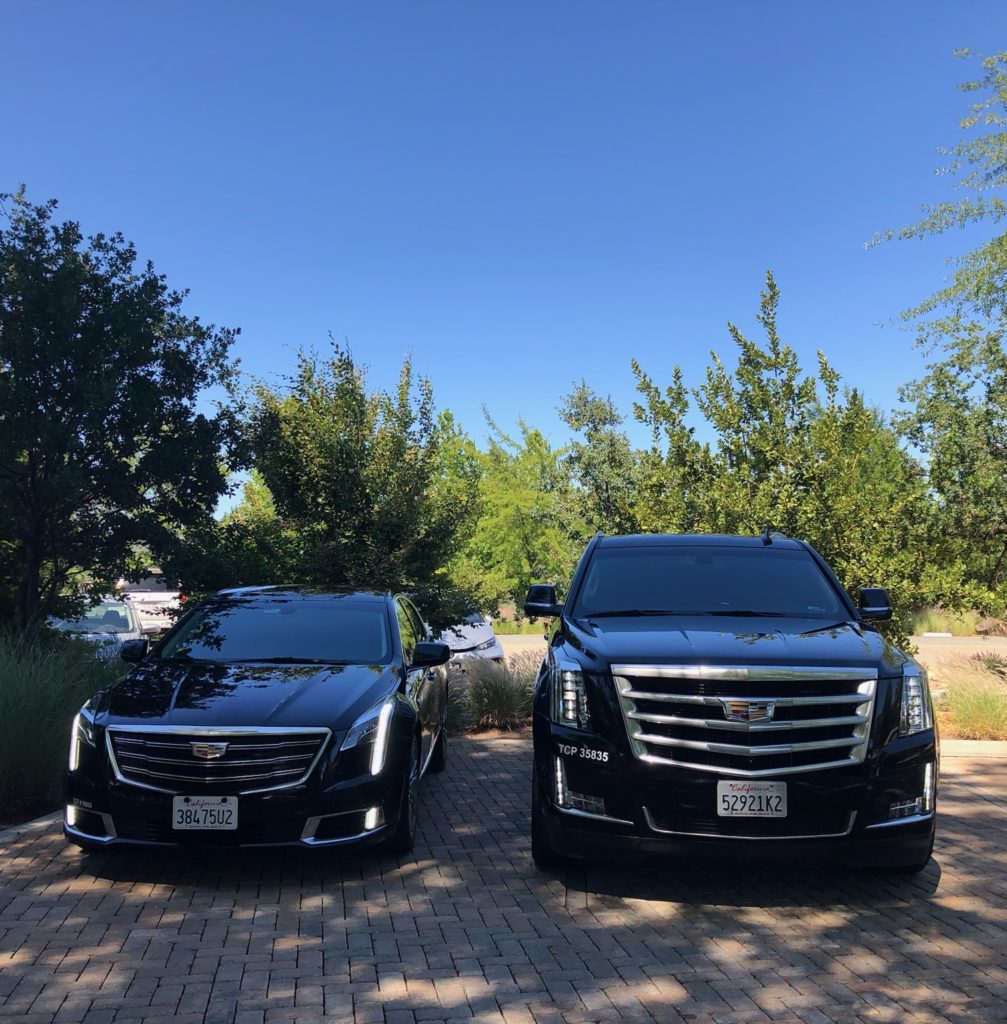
380, 748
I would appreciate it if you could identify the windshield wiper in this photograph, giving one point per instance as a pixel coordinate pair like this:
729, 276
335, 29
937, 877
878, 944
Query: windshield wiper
293, 661
630, 612
826, 628
748, 613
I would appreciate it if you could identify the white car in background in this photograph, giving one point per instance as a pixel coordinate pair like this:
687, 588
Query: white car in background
473, 637
157, 606
107, 624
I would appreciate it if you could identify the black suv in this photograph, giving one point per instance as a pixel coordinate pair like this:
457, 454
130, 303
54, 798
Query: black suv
267, 716
718, 693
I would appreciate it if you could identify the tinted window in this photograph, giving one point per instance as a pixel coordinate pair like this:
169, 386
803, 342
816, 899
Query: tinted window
407, 630
285, 629
707, 579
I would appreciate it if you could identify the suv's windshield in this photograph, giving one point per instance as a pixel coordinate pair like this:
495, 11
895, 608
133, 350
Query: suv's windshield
284, 630
705, 580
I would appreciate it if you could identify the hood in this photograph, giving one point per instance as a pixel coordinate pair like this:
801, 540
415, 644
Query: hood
467, 635
209, 696
730, 641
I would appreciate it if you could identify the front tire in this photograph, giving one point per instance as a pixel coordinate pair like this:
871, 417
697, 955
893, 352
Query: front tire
402, 840
913, 867
439, 755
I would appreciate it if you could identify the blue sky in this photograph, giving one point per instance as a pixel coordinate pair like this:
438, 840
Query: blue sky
519, 194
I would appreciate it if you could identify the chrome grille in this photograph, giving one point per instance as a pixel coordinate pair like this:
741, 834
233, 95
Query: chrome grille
736, 720
255, 759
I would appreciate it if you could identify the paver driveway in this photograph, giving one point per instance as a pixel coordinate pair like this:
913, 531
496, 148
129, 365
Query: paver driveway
467, 929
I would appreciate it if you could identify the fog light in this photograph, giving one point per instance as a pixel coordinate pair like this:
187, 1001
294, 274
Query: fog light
584, 802
71, 815
906, 808
372, 818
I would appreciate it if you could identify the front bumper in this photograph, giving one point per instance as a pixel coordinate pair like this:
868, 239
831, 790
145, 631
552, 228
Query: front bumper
101, 810
608, 802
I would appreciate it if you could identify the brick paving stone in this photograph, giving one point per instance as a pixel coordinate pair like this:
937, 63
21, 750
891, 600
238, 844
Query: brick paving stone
467, 930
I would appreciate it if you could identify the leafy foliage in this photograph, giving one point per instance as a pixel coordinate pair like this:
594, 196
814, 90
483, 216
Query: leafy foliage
605, 469
792, 454
529, 529
352, 488
978, 161
102, 444
956, 417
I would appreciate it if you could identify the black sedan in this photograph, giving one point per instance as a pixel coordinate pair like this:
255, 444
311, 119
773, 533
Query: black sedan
268, 716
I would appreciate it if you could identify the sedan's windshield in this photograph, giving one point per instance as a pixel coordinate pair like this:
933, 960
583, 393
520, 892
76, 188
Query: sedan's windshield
107, 617
705, 580
285, 630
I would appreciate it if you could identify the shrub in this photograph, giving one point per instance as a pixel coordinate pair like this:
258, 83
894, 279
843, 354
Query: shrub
976, 699
941, 620
992, 661
498, 695
42, 686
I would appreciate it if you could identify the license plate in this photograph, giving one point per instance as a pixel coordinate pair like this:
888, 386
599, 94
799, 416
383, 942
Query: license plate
751, 799
202, 812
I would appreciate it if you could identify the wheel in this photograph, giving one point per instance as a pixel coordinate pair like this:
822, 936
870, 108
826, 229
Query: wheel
401, 841
913, 867
543, 853
439, 755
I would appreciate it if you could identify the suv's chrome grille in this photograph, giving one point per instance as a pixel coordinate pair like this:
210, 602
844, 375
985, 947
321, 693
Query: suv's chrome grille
735, 720
241, 760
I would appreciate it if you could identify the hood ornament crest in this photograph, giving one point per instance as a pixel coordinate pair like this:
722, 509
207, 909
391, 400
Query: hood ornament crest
748, 710
208, 751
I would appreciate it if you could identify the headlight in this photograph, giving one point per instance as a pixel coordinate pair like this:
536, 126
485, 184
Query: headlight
917, 713
82, 731
486, 645
569, 698
373, 723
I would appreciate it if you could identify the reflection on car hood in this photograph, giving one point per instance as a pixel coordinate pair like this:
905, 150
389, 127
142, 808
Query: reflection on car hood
731, 641
175, 693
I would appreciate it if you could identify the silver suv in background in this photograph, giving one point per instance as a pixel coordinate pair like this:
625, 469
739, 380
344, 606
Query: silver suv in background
157, 606
473, 637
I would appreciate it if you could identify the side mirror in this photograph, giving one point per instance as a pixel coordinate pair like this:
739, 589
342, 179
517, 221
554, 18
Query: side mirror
874, 604
541, 601
430, 653
134, 651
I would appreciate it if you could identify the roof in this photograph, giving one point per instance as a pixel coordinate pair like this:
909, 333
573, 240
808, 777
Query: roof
707, 540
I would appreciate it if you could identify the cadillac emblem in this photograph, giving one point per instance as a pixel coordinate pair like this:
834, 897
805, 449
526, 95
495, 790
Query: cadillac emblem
748, 710
208, 751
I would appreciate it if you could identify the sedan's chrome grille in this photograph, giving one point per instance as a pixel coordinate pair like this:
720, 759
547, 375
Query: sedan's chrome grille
735, 720
235, 760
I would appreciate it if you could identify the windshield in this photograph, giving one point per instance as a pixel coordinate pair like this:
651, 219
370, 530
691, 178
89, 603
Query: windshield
107, 617
292, 630
704, 580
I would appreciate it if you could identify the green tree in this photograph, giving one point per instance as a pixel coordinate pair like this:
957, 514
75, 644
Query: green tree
529, 530
791, 453
957, 417
376, 488
978, 163
103, 447
604, 466
677, 469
